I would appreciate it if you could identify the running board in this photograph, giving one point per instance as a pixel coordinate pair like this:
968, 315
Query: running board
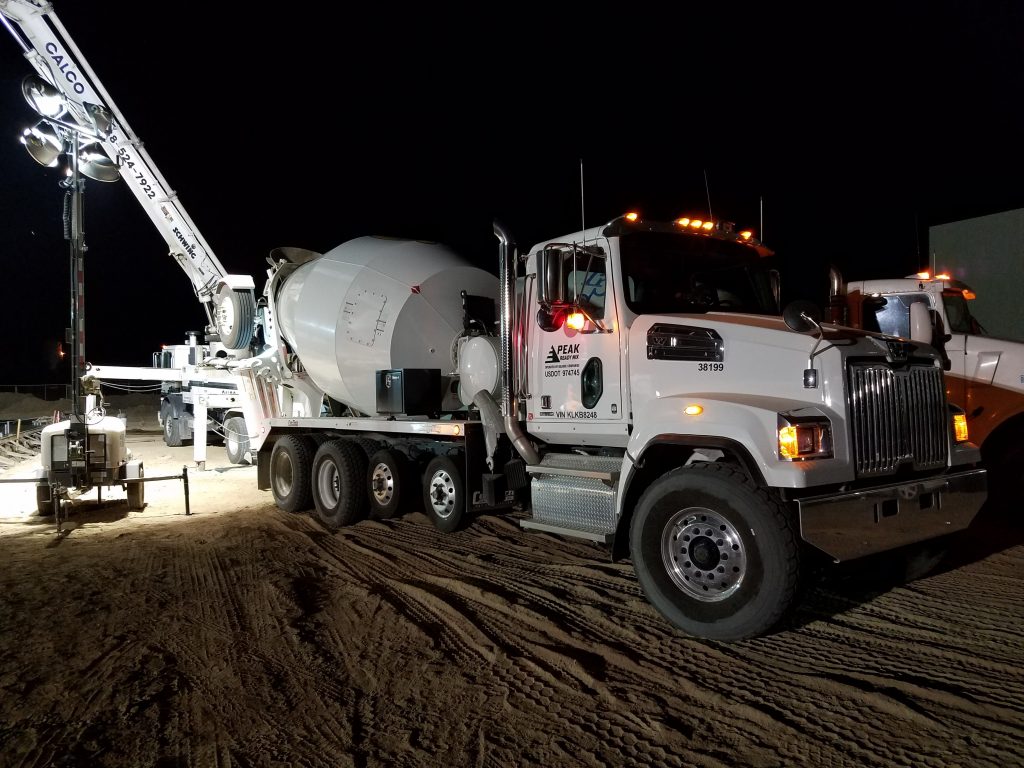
603, 538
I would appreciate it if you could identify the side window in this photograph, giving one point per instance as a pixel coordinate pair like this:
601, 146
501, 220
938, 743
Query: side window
589, 287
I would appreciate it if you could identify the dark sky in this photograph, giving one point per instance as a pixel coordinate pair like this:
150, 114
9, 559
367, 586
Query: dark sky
854, 129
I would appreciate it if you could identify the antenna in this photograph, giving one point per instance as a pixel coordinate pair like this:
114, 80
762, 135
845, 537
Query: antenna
583, 215
760, 229
707, 189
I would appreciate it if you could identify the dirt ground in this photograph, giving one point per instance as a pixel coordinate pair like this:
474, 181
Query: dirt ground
241, 635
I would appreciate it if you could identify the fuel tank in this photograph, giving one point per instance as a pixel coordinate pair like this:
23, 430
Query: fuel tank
376, 303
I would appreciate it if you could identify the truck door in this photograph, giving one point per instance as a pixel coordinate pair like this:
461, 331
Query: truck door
575, 373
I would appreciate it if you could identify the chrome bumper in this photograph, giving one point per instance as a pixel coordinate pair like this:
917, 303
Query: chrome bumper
850, 525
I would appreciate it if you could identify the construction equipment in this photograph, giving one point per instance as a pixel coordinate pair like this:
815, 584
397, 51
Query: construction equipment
634, 386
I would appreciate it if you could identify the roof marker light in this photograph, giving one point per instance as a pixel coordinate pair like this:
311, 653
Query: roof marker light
943, 276
683, 222
924, 275
632, 216
709, 225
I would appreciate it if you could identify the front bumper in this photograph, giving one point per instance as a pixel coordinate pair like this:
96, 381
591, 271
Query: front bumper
850, 525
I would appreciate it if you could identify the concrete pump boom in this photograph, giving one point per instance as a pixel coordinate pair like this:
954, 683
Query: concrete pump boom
228, 300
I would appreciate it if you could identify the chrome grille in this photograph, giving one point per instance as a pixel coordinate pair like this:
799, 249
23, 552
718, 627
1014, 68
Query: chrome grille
897, 416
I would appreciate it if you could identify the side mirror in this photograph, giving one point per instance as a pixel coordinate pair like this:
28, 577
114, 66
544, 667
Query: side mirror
550, 282
920, 323
802, 316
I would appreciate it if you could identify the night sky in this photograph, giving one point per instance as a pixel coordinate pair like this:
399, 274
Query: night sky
853, 130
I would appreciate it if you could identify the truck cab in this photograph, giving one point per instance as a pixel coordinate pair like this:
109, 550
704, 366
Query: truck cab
985, 375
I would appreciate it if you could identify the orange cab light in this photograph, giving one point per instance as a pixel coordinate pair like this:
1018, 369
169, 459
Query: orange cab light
576, 321
969, 294
943, 276
709, 225
696, 223
924, 275
632, 216
746, 234
683, 222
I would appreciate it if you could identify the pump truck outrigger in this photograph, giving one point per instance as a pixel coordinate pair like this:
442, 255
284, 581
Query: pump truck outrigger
637, 388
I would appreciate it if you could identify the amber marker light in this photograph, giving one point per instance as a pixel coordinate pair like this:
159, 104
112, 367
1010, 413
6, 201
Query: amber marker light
960, 427
970, 295
746, 234
924, 275
943, 276
576, 321
693, 410
683, 222
709, 225
787, 442
632, 216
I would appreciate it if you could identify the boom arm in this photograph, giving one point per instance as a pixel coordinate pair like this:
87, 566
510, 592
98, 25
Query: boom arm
227, 299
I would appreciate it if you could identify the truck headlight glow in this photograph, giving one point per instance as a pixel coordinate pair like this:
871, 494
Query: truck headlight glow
960, 428
804, 440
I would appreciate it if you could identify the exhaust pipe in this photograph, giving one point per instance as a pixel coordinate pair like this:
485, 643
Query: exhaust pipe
507, 276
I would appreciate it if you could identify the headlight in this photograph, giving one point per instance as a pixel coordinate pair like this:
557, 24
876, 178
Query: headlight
801, 440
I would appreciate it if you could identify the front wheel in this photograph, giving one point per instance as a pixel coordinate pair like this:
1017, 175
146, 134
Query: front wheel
716, 555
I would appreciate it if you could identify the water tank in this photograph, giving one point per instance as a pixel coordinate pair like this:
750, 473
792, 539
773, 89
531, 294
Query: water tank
376, 303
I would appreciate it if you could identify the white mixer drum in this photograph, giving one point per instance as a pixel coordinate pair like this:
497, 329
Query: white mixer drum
375, 303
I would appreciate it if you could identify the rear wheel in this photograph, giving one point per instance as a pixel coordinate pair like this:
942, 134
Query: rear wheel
386, 476
444, 495
172, 431
716, 555
236, 440
290, 479
339, 485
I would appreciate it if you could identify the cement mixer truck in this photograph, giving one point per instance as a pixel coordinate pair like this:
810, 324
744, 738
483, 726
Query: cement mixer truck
632, 384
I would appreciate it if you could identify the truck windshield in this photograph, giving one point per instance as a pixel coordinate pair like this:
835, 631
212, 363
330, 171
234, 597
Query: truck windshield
679, 273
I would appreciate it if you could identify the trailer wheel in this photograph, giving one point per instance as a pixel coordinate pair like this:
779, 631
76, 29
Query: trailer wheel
444, 495
136, 494
44, 500
172, 432
290, 478
387, 475
339, 483
716, 555
236, 440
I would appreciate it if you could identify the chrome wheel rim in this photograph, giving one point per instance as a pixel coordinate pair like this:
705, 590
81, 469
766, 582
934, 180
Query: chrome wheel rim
703, 554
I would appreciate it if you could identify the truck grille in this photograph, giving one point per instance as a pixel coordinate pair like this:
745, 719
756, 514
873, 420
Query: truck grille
897, 417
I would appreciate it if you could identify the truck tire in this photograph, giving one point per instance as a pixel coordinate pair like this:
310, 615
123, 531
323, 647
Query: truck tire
290, 474
366, 444
44, 500
339, 483
386, 477
236, 440
172, 432
714, 554
444, 494
136, 493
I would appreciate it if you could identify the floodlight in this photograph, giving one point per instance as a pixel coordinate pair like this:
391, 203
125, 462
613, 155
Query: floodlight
43, 97
94, 163
44, 143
